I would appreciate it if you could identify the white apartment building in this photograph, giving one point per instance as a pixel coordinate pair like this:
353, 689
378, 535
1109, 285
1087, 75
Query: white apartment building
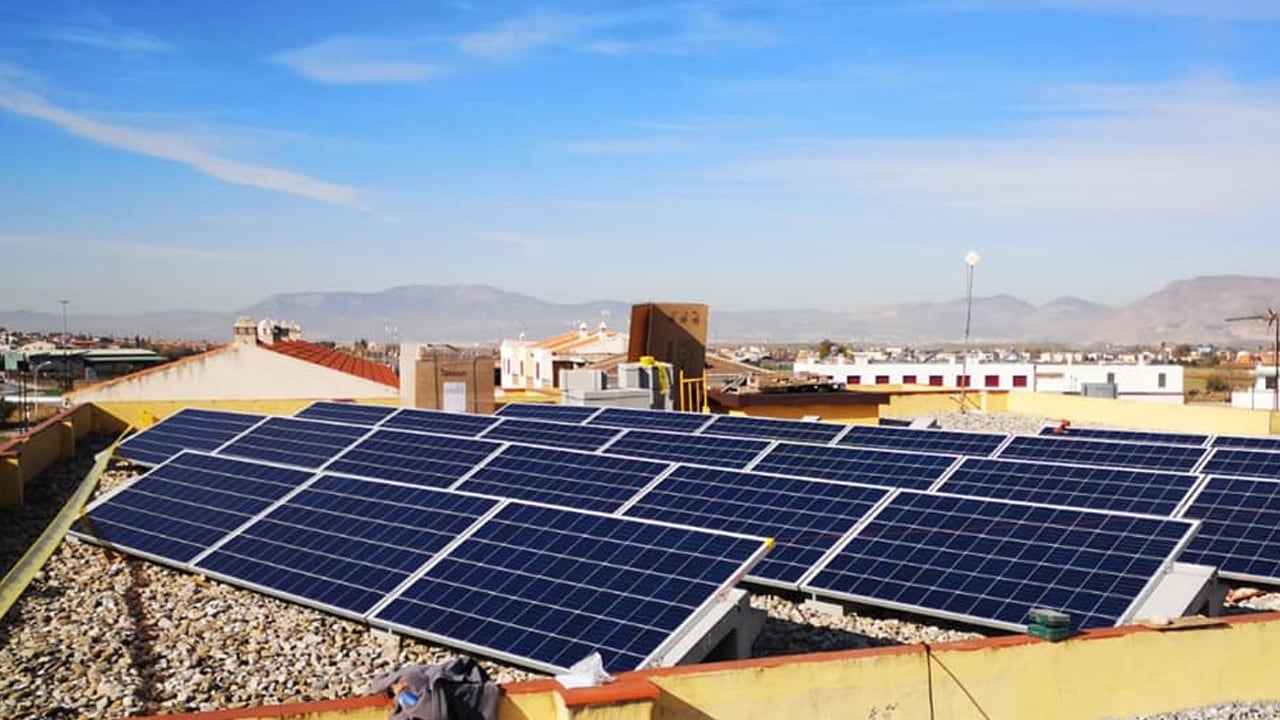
535, 365
1262, 396
1147, 383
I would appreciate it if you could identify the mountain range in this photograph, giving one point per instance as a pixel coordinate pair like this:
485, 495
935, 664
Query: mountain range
1193, 310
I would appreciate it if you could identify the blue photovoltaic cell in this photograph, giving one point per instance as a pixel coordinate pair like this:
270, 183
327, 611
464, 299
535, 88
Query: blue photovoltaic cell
630, 418
346, 413
415, 458
305, 443
552, 434
1240, 528
954, 442
1256, 442
1085, 486
991, 561
439, 422
546, 587
806, 518
1144, 436
888, 468
711, 450
187, 429
1149, 456
578, 480
771, 429
1243, 463
179, 509
344, 542
556, 413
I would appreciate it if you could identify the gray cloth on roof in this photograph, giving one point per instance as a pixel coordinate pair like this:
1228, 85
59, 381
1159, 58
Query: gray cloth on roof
457, 689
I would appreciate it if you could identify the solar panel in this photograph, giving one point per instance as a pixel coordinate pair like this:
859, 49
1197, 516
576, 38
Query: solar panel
955, 442
187, 429
990, 561
1083, 486
1240, 528
1147, 436
545, 587
1171, 458
343, 544
289, 441
806, 518
631, 418
439, 422
699, 449
889, 468
414, 458
1255, 442
346, 413
177, 510
580, 480
552, 434
1243, 463
557, 413
772, 429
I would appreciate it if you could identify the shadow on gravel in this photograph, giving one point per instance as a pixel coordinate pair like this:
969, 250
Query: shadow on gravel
786, 637
142, 642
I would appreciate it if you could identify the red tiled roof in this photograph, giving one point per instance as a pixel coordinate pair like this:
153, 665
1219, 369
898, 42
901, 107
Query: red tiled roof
336, 360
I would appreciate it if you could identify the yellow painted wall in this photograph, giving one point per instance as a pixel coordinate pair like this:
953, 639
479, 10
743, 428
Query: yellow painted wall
854, 414
142, 413
1132, 414
47, 444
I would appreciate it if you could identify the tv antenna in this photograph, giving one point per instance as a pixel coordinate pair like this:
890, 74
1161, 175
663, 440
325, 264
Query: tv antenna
1272, 318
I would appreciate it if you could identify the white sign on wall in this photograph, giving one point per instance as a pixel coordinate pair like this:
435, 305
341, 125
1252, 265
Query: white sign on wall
455, 397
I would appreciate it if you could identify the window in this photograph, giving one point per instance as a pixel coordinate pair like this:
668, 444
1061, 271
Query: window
521, 368
908, 379
853, 380
1019, 381
537, 371
935, 380
1111, 379
991, 381
1270, 383
882, 379
962, 381
1160, 380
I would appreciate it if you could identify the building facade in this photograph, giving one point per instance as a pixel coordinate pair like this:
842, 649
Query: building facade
530, 365
1147, 383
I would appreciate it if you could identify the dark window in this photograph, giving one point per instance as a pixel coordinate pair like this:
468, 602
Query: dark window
908, 379
1270, 383
1160, 380
1111, 379
882, 379
853, 380
991, 381
1019, 380
963, 381
935, 380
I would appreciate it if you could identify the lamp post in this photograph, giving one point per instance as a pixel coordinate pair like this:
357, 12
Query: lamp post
971, 261
66, 345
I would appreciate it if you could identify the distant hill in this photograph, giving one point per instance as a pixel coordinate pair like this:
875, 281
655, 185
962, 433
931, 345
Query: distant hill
1192, 310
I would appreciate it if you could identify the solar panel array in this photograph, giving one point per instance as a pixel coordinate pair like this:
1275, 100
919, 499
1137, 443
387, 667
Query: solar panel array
539, 585
854, 509
187, 429
1247, 442
1144, 436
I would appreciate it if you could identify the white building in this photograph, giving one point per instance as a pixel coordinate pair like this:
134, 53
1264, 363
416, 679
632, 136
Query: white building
1148, 383
265, 362
1262, 396
536, 365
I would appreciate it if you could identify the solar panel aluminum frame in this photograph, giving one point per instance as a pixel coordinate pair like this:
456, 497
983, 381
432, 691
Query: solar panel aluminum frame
368, 431
765, 582
1195, 494
696, 431
617, 433
261, 419
1205, 452
843, 428
1125, 618
952, 470
839, 441
298, 415
501, 412
659, 652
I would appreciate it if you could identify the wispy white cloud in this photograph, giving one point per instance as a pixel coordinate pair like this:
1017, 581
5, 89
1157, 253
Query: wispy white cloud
174, 147
1204, 148
624, 146
98, 31
698, 29
349, 60
528, 33
526, 244
1244, 10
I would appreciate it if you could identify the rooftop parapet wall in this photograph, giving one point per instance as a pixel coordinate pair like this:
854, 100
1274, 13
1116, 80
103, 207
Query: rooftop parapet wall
1217, 420
1115, 672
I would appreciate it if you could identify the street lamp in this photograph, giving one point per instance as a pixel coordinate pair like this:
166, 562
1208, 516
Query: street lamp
971, 261
66, 343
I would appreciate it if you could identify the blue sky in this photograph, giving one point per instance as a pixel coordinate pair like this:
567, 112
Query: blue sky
791, 153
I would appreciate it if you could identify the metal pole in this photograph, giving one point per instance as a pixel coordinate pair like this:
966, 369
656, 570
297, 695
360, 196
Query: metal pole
971, 260
1275, 365
66, 344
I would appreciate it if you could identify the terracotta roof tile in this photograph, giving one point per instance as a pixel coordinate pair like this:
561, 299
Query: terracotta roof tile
336, 360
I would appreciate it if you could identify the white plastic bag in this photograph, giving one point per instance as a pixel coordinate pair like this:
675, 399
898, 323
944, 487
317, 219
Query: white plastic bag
587, 672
